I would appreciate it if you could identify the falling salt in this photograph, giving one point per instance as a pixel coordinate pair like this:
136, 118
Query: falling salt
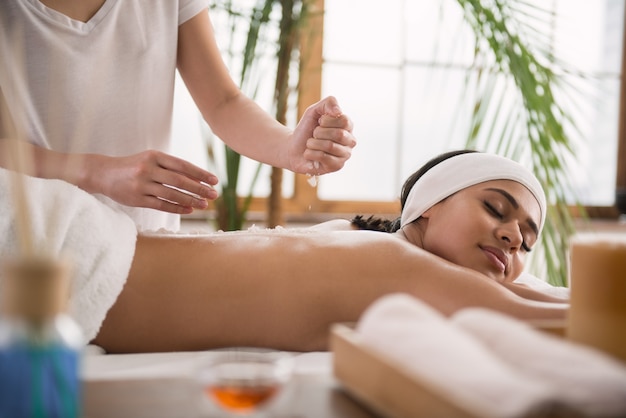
312, 179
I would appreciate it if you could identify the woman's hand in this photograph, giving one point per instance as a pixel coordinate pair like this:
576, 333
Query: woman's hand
323, 141
150, 179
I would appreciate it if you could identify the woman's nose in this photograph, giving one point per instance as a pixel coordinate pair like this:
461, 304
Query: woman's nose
511, 234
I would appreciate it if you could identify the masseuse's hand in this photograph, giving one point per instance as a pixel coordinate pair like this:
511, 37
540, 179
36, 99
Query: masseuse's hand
143, 180
323, 141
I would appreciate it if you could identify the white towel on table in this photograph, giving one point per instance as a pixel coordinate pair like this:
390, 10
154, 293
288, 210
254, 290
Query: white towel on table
587, 380
494, 364
68, 222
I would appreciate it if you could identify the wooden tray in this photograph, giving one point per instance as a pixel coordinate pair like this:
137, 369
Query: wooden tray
386, 389
556, 327
380, 384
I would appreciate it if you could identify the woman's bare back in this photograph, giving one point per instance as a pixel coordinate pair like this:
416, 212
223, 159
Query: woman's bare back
282, 288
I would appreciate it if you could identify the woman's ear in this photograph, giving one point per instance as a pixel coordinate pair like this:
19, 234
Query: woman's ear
428, 212
432, 211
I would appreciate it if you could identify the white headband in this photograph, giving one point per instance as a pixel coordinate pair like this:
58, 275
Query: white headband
462, 171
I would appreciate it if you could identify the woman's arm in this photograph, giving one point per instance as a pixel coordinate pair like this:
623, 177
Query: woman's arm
323, 135
528, 292
282, 289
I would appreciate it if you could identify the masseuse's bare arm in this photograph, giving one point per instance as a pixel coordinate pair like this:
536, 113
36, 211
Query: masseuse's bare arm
282, 290
134, 180
321, 142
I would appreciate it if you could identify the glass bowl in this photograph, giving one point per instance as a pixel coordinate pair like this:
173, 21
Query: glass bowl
243, 382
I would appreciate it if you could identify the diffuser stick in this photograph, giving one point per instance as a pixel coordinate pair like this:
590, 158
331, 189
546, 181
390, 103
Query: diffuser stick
21, 206
20, 161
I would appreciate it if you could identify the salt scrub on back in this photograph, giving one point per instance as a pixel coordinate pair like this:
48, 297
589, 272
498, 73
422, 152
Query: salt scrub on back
598, 292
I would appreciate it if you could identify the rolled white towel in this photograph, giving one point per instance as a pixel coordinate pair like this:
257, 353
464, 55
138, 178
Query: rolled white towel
588, 380
68, 222
422, 342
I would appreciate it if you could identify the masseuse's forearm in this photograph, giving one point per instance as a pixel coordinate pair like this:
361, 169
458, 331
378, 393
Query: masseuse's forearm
257, 135
45, 163
235, 118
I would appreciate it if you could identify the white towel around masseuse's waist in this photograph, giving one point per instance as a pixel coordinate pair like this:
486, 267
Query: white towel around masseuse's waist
498, 366
68, 222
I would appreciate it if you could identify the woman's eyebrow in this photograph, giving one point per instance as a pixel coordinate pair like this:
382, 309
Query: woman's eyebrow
514, 203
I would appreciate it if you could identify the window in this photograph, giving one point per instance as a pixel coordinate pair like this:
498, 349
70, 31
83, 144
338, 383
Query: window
398, 68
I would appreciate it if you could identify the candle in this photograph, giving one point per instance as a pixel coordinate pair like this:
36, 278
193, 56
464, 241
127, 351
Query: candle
598, 292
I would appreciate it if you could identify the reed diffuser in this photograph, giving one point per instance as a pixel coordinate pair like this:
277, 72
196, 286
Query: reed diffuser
39, 344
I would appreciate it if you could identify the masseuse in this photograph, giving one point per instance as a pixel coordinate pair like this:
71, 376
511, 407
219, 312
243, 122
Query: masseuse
284, 288
89, 86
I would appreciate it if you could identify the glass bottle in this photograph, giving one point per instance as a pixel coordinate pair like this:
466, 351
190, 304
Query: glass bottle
40, 345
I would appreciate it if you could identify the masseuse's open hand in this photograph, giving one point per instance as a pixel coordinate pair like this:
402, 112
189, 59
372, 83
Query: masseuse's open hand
323, 141
150, 179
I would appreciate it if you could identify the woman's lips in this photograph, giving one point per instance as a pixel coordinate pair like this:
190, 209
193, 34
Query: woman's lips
496, 257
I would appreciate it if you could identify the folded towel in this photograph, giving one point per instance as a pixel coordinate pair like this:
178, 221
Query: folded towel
493, 382
425, 344
588, 380
98, 241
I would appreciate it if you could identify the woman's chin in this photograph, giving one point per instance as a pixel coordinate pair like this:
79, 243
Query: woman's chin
496, 276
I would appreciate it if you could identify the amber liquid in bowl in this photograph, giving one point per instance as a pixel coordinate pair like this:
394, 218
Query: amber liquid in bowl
242, 399
243, 383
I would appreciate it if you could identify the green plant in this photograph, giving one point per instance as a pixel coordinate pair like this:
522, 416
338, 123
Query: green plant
266, 34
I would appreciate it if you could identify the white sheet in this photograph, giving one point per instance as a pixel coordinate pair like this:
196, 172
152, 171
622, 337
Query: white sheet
543, 286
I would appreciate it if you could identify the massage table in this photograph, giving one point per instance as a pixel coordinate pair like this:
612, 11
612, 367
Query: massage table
155, 385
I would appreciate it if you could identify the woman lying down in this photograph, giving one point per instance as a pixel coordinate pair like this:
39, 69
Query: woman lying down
468, 221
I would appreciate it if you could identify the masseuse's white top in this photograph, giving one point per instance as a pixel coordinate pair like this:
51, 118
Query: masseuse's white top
105, 86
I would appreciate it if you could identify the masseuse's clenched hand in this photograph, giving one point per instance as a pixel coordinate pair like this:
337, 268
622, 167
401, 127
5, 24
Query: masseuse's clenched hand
153, 179
323, 141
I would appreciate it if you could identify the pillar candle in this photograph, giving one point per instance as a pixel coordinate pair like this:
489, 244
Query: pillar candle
597, 316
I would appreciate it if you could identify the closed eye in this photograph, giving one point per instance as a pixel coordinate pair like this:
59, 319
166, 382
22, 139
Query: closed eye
493, 210
498, 215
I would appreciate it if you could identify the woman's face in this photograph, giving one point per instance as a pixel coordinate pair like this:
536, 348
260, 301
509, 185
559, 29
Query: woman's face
489, 227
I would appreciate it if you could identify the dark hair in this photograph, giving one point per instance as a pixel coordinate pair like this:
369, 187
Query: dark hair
374, 223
